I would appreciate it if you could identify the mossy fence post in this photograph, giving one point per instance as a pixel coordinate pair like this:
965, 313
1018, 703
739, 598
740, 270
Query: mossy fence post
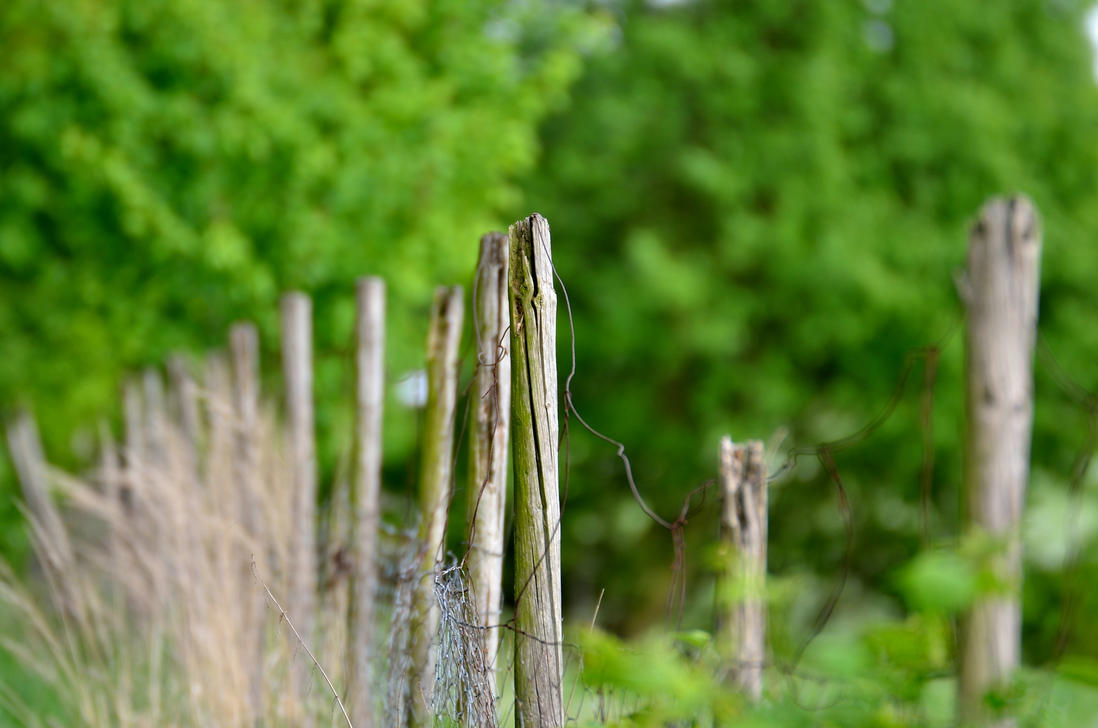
297, 368
538, 657
489, 442
435, 476
365, 495
742, 614
1000, 292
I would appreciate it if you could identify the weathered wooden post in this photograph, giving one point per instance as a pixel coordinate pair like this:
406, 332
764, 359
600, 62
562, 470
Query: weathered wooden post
185, 397
51, 538
244, 360
297, 369
536, 440
489, 442
1000, 292
436, 470
743, 481
365, 494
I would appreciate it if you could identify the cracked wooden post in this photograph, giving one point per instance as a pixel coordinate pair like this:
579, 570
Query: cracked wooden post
538, 657
743, 480
297, 368
1000, 292
365, 495
489, 441
436, 472
244, 361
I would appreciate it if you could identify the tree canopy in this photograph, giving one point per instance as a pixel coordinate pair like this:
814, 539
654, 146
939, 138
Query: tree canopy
761, 209
168, 167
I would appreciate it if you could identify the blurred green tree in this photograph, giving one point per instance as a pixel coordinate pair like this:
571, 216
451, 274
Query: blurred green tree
758, 209
166, 167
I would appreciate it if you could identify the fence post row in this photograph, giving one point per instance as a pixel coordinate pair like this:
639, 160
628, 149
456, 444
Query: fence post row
1000, 293
489, 443
514, 288
742, 617
297, 366
436, 471
538, 658
365, 494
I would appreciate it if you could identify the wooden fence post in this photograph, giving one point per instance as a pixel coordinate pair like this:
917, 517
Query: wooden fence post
365, 494
1000, 293
51, 538
488, 445
244, 360
743, 480
185, 395
533, 303
436, 470
297, 366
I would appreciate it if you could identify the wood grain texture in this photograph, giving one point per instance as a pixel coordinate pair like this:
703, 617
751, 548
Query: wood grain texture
1001, 291
297, 369
743, 480
489, 440
365, 495
435, 480
536, 438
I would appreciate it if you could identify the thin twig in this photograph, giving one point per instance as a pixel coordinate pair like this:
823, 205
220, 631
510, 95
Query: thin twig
300, 641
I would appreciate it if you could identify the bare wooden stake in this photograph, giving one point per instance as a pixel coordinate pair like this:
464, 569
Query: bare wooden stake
489, 441
365, 495
51, 537
185, 396
435, 476
1000, 292
743, 534
155, 418
297, 366
110, 480
533, 303
244, 359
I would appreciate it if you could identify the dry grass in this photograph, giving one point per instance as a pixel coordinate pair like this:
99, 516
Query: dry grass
162, 615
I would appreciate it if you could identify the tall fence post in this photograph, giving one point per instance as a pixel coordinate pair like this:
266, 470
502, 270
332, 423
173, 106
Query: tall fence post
436, 471
1000, 293
297, 366
489, 443
743, 481
244, 359
538, 657
365, 494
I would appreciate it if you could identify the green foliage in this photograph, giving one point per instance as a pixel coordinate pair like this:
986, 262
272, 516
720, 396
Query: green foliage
939, 582
167, 167
758, 210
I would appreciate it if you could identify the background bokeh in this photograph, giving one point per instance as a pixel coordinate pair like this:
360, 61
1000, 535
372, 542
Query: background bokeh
758, 210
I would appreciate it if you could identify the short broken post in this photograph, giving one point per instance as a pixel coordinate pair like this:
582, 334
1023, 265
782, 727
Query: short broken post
489, 442
51, 538
297, 369
742, 597
533, 304
365, 495
1000, 291
436, 472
